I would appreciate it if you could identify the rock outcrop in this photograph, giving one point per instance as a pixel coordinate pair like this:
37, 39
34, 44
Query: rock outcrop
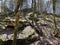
8, 35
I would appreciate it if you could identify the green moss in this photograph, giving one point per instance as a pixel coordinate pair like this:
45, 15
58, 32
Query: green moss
1, 42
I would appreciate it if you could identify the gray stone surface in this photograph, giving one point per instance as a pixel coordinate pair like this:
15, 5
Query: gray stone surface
8, 34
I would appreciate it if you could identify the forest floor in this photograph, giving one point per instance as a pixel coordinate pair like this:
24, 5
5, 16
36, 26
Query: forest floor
47, 25
46, 22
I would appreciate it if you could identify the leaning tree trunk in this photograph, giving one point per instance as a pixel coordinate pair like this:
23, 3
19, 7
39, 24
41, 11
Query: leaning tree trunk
19, 4
15, 29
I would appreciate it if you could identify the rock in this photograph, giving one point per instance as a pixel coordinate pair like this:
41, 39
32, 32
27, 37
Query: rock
23, 35
3, 37
26, 32
10, 37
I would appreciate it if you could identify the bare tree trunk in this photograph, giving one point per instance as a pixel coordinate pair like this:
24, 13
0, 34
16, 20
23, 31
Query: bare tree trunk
39, 6
4, 4
11, 4
19, 4
16, 29
32, 3
34, 8
54, 9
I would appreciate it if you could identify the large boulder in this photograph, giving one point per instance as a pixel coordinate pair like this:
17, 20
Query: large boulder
24, 34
